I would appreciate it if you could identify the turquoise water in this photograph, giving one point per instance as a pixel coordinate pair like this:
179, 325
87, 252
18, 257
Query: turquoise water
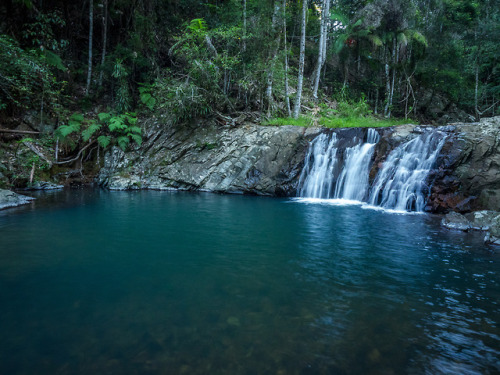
96, 282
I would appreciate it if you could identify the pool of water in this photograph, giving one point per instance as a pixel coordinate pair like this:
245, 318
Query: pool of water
97, 282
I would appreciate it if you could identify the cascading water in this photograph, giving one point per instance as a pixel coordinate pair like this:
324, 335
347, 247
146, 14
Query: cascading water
353, 183
399, 185
318, 178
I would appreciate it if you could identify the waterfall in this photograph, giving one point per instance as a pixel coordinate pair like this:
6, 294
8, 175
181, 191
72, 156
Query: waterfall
353, 183
400, 184
318, 178
332, 171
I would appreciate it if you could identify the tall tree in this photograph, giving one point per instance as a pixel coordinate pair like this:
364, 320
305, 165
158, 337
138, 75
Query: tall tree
104, 39
323, 38
302, 57
91, 35
275, 42
287, 90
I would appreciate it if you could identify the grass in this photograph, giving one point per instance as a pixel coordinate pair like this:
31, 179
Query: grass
342, 114
337, 122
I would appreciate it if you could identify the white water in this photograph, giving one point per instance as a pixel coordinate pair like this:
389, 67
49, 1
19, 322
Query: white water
340, 176
400, 183
353, 183
316, 177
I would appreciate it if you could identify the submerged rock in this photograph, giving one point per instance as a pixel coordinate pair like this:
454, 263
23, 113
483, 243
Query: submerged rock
10, 199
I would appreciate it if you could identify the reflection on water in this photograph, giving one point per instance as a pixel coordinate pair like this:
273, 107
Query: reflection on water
177, 283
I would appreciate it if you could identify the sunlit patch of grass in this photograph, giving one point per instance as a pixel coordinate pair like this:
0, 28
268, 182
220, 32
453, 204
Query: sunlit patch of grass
338, 122
361, 122
304, 121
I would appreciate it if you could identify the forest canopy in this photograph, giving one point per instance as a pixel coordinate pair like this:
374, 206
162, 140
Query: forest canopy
424, 59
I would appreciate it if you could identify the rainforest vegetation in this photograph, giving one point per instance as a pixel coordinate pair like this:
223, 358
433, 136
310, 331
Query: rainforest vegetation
82, 72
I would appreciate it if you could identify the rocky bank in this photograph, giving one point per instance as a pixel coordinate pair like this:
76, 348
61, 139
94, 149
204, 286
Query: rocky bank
10, 199
248, 159
265, 160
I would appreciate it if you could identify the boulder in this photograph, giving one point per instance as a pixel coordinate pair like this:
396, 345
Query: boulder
456, 221
481, 220
10, 199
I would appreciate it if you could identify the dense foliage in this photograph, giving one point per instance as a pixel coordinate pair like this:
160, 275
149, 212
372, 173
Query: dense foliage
192, 58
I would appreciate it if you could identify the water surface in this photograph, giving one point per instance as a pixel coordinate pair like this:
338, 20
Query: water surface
96, 282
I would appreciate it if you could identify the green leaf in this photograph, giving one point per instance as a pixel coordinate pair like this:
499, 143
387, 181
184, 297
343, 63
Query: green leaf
103, 116
104, 140
136, 138
134, 129
339, 17
65, 130
340, 42
419, 38
148, 100
123, 142
116, 123
376, 40
132, 120
77, 117
53, 60
89, 132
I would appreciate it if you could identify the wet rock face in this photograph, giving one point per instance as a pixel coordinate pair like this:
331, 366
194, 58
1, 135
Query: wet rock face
467, 175
249, 159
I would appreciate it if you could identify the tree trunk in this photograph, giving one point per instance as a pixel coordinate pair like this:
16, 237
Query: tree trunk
287, 97
387, 87
104, 40
272, 56
302, 57
244, 25
476, 91
394, 61
325, 15
91, 34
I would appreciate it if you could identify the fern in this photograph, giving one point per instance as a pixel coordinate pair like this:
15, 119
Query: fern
146, 98
134, 129
123, 142
104, 140
54, 60
78, 117
104, 116
136, 138
131, 118
65, 130
116, 123
90, 131
197, 25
